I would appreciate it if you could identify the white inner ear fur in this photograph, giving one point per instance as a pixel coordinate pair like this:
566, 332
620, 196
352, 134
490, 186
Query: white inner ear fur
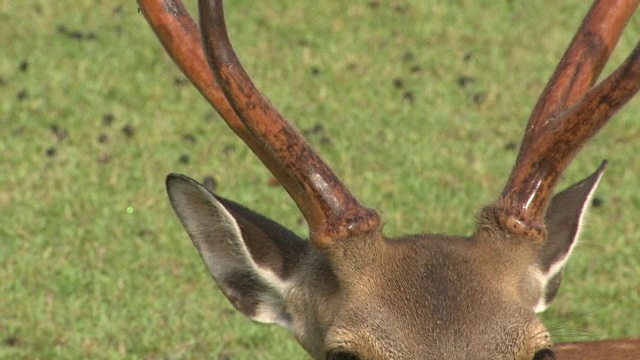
209, 228
542, 304
556, 267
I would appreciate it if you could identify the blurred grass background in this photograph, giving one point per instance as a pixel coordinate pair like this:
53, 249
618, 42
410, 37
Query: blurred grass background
418, 106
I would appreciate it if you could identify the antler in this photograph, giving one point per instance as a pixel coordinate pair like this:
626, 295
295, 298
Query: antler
568, 114
331, 211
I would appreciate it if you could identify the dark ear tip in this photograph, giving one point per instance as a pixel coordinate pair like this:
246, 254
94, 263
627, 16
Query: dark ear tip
175, 180
175, 177
595, 177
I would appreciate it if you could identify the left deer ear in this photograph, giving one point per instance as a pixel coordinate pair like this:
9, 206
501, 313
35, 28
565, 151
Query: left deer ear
563, 221
252, 258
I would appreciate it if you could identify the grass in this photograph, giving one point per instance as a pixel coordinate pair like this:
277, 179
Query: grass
420, 103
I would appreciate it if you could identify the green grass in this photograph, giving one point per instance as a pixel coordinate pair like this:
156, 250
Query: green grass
93, 262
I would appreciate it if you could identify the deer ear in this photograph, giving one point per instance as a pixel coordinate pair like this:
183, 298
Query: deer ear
563, 221
251, 257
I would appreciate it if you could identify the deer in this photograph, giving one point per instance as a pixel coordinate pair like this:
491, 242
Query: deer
350, 292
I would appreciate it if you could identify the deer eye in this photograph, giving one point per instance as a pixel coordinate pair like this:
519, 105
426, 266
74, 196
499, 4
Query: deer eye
342, 355
545, 354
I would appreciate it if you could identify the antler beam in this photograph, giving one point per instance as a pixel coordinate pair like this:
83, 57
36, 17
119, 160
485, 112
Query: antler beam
331, 211
568, 114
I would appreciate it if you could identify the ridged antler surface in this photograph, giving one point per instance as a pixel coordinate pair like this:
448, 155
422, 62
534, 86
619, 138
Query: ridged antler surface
568, 113
331, 211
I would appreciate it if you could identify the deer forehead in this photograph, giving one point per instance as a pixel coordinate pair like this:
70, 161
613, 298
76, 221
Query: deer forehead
429, 296
426, 268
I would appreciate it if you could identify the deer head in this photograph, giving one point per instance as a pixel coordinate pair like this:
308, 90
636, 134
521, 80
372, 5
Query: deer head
352, 293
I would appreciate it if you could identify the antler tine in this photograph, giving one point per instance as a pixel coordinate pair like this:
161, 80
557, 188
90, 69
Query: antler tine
180, 37
331, 211
329, 208
585, 57
568, 114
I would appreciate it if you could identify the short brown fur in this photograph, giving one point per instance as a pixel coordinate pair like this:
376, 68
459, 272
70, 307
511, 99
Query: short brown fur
352, 293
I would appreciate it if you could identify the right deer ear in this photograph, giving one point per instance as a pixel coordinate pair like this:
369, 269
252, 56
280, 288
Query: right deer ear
251, 257
563, 220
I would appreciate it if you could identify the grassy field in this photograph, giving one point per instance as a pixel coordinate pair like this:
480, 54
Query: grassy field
418, 106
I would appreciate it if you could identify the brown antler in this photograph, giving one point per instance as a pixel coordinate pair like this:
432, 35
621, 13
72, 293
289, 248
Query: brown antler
180, 37
568, 114
331, 211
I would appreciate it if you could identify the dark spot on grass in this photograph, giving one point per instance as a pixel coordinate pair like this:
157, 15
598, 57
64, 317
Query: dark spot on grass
107, 119
189, 138
325, 140
398, 83
209, 117
22, 95
408, 56
103, 138
24, 66
210, 183
104, 158
479, 97
3, 81
511, 146
263, 23
318, 132
315, 71
18, 131
184, 159
374, 4
228, 149
180, 81
468, 56
11, 341
117, 10
91, 35
351, 66
401, 8
597, 202
464, 80
51, 152
416, 69
303, 42
314, 130
128, 131
145, 232
76, 34
408, 96
60, 132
